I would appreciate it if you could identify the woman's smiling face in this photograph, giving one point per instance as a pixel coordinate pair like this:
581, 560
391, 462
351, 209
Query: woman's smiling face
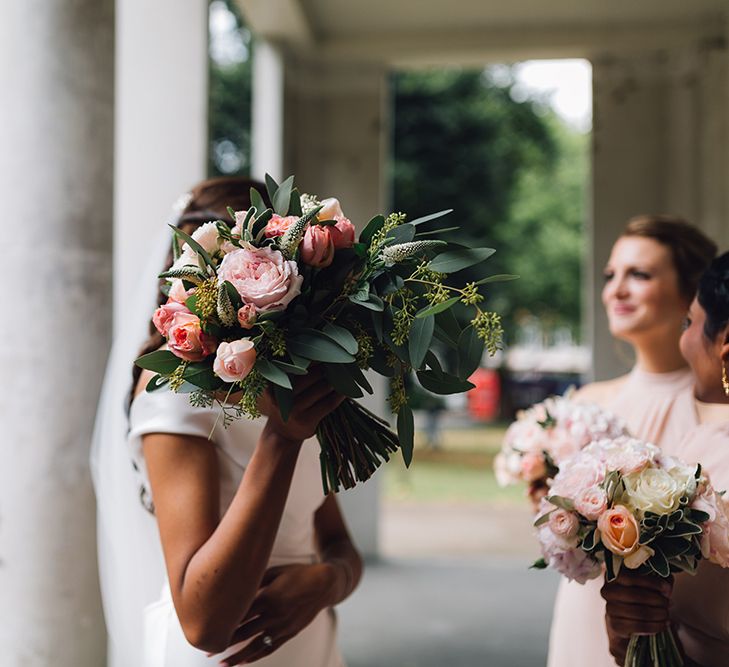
641, 293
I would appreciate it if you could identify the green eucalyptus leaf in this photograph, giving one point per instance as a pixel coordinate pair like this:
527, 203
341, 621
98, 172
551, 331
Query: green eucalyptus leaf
433, 232
421, 336
156, 382
442, 383
342, 381
257, 201
373, 302
201, 375
373, 226
273, 373
282, 199
438, 307
284, 399
358, 376
406, 433
470, 351
319, 347
194, 245
290, 369
432, 216
539, 564
159, 361
499, 278
295, 204
401, 234
271, 186
342, 337
543, 519
561, 501
452, 261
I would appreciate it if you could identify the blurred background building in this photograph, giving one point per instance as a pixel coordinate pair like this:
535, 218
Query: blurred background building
111, 110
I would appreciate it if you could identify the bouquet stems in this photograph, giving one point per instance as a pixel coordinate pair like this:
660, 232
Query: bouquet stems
354, 443
658, 650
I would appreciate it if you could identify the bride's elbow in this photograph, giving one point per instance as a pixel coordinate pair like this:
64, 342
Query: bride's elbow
205, 636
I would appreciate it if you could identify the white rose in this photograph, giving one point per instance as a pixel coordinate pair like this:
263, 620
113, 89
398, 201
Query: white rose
207, 236
652, 490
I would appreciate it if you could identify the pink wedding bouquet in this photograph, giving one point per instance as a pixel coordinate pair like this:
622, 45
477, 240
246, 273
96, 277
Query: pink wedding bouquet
621, 503
253, 306
548, 433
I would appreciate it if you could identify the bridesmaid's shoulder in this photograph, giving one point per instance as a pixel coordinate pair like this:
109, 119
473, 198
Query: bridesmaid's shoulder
598, 392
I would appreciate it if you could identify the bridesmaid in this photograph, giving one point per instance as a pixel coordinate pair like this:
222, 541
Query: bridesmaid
650, 280
699, 608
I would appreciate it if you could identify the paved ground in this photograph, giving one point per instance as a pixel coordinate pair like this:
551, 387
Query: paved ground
439, 612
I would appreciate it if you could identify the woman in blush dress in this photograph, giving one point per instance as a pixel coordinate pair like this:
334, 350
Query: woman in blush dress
650, 280
699, 605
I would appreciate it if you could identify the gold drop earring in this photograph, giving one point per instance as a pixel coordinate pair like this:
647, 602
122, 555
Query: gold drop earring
724, 380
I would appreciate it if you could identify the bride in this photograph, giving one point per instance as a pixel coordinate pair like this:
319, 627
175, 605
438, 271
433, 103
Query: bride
221, 551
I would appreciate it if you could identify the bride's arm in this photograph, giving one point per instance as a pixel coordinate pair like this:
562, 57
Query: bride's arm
215, 565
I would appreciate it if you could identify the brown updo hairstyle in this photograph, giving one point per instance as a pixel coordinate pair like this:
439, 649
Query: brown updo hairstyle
691, 250
209, 200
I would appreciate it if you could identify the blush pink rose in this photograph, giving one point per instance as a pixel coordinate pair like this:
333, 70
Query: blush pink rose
591, 502
564, 524
262, 277
619, 530
278, 226
533, 467
576, 474
185, 338
715, 538
178, 292
247, 315
317, 248
163, 316
235, 360
342, 233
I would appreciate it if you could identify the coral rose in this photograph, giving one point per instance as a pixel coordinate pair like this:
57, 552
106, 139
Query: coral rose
619, 530
262, 277
185, 338
163, 316
342, 233
247, 316
278, 226
235, 360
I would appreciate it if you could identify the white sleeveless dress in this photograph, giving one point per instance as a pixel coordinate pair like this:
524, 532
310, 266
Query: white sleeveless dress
164, 644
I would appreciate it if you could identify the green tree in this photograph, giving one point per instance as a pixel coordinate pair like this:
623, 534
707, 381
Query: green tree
514, 175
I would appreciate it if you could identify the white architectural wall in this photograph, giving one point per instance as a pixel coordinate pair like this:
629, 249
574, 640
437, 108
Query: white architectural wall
56, 133
161, 124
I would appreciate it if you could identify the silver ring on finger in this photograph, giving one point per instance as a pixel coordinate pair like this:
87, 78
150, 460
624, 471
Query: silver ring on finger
267, 641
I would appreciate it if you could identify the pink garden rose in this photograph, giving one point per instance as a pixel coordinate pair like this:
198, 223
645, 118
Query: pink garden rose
278, 226
235, 360
566, 557
564, 524
187, 340
178, 292
579, 473
625, 454
317, 247
342, 233
262, 277
715, 538
247, 316
533, 467
162, 318
591, 502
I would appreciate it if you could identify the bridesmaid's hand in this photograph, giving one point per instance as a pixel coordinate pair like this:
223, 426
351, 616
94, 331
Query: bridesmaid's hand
636, 604
289, 599
313, 400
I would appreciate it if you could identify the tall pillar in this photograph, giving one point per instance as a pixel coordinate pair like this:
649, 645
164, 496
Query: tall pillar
161, 124
659, 146
335, 142
56, 130
267, 129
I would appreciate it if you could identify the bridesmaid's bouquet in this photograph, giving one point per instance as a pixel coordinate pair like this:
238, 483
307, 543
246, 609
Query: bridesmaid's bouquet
620, 503
548, 433
288, 287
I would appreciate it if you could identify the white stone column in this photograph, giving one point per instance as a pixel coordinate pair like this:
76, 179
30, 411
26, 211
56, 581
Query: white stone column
267, 121
161, 124
56, 133
659, 146
335, 131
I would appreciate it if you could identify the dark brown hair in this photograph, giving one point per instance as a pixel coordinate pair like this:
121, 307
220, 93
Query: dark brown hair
691, 249
209, 200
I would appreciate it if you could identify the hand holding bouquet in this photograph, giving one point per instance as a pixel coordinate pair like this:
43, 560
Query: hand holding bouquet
255, 305
620, 503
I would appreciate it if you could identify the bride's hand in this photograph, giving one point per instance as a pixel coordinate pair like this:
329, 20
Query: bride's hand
636, 604
313, 400
289, 599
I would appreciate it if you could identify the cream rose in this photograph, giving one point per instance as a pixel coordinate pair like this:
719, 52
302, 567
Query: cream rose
331, 209
262, 277
619, 530
207, 236
235, 360
652, 490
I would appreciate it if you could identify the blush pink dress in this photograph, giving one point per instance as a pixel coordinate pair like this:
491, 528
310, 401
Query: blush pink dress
700, 603
659, 408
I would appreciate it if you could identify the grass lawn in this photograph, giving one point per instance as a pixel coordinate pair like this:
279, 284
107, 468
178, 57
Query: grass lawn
459, 471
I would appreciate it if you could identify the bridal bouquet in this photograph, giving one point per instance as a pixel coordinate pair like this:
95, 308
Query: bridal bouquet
548, 433
255, 305
620, 503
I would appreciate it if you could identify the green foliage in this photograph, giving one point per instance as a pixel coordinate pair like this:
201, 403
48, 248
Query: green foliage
514, 175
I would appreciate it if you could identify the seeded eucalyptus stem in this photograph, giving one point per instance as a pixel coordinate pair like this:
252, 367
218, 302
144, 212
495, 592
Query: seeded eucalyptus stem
354, 443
